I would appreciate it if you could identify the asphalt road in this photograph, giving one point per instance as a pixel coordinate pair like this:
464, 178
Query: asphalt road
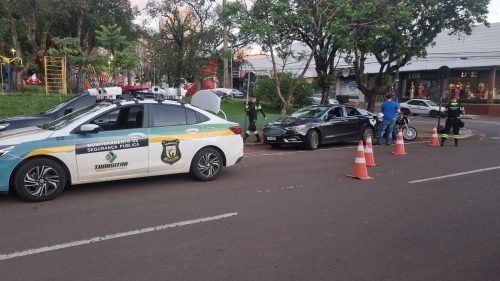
286, 214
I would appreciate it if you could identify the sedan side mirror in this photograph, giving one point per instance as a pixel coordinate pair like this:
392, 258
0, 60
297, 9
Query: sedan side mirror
67, 111
89, 129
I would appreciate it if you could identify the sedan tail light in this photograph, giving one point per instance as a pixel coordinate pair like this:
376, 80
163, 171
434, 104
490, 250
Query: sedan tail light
236, 130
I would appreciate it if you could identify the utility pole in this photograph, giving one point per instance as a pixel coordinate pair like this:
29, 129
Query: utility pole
227, 82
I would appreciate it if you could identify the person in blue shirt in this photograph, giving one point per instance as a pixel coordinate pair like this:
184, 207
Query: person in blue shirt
390, 109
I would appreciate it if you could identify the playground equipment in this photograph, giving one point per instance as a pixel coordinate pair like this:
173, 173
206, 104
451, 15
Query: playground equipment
55, 75
8, 61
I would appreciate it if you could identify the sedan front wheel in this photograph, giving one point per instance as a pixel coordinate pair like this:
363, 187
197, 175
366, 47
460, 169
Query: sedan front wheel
40, 180
312, 140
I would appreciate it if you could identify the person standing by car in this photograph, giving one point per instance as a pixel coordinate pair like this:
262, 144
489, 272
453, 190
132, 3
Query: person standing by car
453, 110
389, 108
251, 108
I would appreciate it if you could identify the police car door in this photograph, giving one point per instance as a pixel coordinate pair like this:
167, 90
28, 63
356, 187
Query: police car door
174, 136
120, 149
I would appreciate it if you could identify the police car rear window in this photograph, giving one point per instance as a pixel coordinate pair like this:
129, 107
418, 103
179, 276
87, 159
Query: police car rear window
168, 115
201, 118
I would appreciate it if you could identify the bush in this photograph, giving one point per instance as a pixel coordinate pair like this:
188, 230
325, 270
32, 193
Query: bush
266, 92
343, 99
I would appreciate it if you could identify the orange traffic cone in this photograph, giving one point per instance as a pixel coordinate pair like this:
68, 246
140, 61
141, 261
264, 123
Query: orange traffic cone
360, 171
370, 159
434, 138
399, 148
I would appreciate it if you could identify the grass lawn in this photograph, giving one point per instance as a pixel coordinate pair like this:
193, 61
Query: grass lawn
33, 101
235, 111
29, 103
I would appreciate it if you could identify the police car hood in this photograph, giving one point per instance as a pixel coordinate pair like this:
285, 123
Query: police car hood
17, 136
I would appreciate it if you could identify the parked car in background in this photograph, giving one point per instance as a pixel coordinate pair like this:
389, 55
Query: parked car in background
421, 106
50, 115
230, 93
320, 124
316, 99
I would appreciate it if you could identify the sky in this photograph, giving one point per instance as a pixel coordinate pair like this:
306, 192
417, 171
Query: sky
494, 8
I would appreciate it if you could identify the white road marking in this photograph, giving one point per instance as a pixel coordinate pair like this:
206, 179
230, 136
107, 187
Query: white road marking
456, 174
111, 236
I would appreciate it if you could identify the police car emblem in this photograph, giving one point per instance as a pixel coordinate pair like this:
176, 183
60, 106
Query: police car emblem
171, 152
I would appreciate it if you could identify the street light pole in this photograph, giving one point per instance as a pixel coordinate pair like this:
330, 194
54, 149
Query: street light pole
227, 82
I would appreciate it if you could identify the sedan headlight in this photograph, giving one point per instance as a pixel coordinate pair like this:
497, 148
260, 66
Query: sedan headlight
5, 149
296, 128
3, 126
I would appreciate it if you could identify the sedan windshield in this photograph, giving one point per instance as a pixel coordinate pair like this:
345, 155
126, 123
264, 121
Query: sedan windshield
431, 103
68, 119
310, 112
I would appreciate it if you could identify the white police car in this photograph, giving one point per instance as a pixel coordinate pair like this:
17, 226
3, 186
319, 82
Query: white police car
117, 140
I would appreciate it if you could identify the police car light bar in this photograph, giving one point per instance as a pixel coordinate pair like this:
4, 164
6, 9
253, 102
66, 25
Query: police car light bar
109, 93
168, 93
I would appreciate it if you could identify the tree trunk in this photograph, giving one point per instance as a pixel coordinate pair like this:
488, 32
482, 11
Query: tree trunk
371, 102
17, 79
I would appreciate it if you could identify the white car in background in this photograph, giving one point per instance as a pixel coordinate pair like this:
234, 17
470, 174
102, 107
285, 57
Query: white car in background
230, 93
316, 99
421, 106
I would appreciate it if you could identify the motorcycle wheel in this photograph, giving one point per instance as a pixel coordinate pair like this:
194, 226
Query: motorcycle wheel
409, 133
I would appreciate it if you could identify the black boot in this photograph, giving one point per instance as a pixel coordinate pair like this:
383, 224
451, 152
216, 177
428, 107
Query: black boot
442, 141
456, 142
245, 137
258, 138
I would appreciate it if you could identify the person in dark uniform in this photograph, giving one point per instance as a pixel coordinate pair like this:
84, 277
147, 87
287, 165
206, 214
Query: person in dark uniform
251, 108
453, 110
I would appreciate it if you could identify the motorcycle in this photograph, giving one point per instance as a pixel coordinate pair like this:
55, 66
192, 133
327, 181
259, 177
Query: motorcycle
403, 124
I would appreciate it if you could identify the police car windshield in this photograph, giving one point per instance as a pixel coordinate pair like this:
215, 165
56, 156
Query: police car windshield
70, 118
310, 112
431, 103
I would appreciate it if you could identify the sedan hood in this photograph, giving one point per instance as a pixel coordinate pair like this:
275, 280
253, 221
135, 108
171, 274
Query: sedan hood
16, 136
292, 121
22, 117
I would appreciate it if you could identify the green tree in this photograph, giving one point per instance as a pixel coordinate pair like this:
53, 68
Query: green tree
111, 38
189, 36
29, 23
322, 26
267, 22
394, 32
265, 90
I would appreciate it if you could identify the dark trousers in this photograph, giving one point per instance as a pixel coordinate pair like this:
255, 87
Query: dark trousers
452, 122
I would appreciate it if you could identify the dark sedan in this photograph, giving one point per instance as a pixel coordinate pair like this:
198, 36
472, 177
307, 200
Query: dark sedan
48, 116
57, 111
316, 125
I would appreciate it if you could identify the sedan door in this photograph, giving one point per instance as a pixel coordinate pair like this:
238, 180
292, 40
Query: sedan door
417, 107
120, 149
354, 124
335, 125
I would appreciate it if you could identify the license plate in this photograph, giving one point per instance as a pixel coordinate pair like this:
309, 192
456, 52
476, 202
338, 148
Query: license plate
271, 138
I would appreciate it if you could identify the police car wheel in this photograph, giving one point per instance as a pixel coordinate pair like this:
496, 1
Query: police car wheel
433, 113
206, 164
40, 180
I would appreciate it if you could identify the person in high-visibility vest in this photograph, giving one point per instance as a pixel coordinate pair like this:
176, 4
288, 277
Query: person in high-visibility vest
251, 108
453, 111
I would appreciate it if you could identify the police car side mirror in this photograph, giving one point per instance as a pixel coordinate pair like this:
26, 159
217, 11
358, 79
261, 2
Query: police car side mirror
89, 129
